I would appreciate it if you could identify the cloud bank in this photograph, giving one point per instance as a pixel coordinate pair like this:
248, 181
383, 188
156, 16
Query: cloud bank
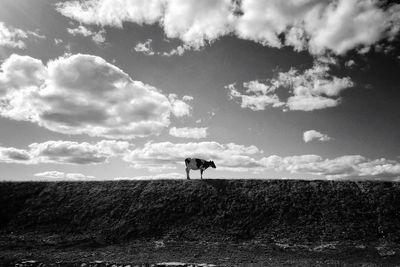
172, 175
63, 175
164, 156
239, 158
317, 26
229, 156
187, 132
344, 167
64, 152
84, 94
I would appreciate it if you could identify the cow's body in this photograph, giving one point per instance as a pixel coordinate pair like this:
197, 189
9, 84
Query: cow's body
197, 164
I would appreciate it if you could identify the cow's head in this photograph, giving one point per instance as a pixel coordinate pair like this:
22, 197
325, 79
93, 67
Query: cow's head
212, 164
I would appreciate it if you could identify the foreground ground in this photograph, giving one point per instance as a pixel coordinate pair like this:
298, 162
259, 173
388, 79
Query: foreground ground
36, 249
220, 222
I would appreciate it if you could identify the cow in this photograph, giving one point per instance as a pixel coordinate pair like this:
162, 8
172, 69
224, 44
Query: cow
197, 164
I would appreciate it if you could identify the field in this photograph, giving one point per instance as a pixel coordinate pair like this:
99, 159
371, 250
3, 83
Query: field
223, 222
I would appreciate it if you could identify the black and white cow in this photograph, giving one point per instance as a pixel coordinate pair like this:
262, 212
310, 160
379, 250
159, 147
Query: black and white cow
197, 164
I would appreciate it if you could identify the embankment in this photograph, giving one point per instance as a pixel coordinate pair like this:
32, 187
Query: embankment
207, 210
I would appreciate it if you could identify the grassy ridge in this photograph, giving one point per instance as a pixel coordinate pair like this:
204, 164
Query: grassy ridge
209, 210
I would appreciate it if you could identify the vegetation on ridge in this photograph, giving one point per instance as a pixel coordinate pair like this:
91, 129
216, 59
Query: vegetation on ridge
205, 210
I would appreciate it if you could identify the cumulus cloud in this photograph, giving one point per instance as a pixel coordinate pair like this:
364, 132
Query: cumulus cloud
240, 158
319, 26
65, 152
350, 64
178, 51
310, 135
13, 37
180, 108
63, 175
164, 156
348, 24
229, 156
258, 97
97, 37
84, 94
187, 132
145, 48
194, 22
172, 175
14, 155
309, 90
344, 167
187, 98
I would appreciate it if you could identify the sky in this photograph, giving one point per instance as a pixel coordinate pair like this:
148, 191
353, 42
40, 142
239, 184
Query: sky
110, 90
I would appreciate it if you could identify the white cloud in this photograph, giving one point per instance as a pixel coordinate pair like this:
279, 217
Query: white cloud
80, 30
197, 22
14, 155
319, 26
145, 48
65, 152
63, 175
13, 37
338, 26
178, 51
18, 73
97, 37
167, 156
227, 156
326, 60
187, 132
112, 13
259, 96
311, 89
187, 98
348, 24
239, 158
310, 135
84, 94
58, 41
172, 175
350, 63
179, 107
344, 167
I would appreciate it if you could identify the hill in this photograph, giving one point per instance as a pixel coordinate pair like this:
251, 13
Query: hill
205, 210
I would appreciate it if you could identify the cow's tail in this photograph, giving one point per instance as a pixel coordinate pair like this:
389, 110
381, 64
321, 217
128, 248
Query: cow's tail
187, 160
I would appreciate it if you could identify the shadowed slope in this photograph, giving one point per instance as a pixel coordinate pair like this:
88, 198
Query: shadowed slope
210, 210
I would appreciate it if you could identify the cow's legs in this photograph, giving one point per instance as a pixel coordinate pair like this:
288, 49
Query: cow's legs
187, 173
201, 173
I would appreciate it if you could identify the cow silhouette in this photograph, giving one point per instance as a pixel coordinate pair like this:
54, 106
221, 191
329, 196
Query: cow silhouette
197, 164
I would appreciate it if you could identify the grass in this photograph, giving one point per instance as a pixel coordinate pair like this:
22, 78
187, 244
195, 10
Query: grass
207, 210
265, 222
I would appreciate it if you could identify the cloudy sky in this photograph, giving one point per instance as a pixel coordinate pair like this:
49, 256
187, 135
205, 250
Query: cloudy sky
106, 89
